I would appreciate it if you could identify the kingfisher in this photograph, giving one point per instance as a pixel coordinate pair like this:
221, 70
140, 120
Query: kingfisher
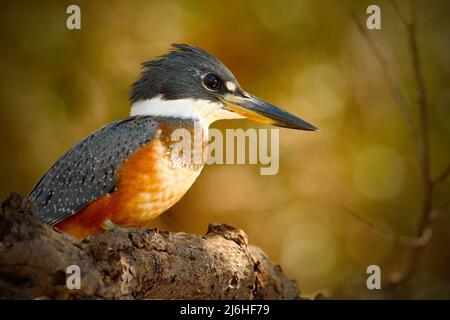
125, 172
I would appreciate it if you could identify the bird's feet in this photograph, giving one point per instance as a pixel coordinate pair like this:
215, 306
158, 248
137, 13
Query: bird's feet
108, 225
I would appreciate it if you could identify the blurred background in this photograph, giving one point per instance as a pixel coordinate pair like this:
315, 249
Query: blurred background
57, 86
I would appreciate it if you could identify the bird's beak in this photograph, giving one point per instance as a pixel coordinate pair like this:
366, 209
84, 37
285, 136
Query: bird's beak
258, 110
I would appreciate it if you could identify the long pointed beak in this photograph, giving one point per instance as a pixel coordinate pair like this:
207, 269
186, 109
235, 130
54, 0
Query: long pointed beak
258, 110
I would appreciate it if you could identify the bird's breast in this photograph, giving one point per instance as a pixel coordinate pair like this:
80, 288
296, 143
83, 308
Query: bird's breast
150, 182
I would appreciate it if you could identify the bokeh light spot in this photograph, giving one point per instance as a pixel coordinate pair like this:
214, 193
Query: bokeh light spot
309, 251
321, 87
379, 172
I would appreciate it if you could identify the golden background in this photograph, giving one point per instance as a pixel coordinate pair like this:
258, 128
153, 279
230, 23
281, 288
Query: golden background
57, 86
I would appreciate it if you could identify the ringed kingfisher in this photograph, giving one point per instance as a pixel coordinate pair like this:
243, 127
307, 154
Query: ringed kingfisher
124, 172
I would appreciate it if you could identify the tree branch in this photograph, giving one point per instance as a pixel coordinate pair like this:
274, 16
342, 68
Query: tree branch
414, 242
392, 84
133, 263
428, 215
424, 121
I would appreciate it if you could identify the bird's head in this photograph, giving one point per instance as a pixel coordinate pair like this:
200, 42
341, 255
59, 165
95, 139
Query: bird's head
188, 82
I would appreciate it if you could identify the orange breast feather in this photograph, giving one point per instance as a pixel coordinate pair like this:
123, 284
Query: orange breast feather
147, 184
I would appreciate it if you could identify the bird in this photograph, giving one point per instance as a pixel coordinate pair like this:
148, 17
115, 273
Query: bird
124, 172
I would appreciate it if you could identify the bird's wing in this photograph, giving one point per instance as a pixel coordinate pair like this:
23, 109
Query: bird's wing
87, 171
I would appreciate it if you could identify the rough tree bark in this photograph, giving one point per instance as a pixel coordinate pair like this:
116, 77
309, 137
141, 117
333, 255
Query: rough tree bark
132, 263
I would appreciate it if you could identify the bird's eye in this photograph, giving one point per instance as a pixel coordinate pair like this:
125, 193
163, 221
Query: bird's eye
211, 81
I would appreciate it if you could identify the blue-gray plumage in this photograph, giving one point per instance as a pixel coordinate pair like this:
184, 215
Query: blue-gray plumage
87, 171
178, 75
